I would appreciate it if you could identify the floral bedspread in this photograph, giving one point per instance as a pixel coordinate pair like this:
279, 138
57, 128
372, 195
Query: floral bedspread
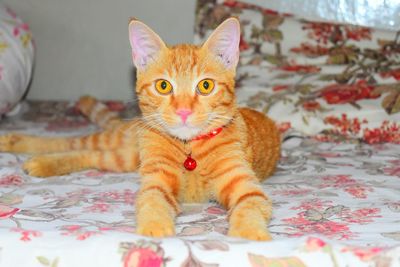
335, 204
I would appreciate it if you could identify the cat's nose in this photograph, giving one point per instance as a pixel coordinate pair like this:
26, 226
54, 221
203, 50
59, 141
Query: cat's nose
183, 113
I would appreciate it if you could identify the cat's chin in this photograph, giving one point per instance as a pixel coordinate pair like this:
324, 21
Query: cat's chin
184, 132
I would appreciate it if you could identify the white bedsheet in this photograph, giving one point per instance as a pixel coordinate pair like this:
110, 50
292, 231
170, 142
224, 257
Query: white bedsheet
334, 205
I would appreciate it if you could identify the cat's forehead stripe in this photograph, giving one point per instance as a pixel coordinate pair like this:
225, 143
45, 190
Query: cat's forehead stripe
184, 58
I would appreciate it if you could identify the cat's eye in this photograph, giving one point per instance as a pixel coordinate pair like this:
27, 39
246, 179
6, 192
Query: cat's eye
163, 86
205, 86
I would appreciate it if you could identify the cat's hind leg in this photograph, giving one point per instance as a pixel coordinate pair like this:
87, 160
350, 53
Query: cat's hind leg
119, 160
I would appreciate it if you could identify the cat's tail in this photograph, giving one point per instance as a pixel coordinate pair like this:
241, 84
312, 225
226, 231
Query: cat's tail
98, 112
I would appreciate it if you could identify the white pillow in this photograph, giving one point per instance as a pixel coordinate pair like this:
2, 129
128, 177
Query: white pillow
16, 59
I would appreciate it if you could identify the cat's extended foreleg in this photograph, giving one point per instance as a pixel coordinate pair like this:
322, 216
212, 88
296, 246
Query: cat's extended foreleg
249, 208
156, 204
119, 160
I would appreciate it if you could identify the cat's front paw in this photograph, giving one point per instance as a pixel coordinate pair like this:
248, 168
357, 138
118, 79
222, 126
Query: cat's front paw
41, 166
156, 228
248, 232
250, 220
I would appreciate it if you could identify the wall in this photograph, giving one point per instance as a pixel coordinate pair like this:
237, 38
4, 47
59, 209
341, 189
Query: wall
83, 47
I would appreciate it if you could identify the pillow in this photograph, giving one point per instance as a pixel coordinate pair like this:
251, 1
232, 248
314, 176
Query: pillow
16, 59
316, 77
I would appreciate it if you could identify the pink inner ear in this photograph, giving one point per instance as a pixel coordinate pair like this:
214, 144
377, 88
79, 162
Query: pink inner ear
144, 42
224, 42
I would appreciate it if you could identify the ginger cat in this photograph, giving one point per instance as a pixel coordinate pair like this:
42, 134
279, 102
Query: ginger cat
191, 144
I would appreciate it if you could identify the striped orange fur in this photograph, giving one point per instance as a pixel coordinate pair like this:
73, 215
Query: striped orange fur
230, 165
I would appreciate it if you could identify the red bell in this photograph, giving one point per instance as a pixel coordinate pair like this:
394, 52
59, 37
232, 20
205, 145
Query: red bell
190, 164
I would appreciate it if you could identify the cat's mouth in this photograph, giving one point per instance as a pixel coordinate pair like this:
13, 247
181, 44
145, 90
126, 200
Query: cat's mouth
184, 131
188, 131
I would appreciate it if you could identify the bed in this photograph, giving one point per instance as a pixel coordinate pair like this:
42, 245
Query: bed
335, 193
335, 204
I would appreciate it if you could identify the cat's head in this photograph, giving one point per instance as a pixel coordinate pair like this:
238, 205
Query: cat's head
186, 90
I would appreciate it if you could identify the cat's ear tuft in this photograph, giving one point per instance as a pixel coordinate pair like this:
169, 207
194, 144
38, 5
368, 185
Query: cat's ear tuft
224, 42
145, 44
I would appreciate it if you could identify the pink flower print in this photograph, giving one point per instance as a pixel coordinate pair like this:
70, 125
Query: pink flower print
115, 195
142, 257
11, 180
321, 217
26, 235
395, 162
361, 216
314, 244
364, 254
127, 197
79, 232
299, 226
19, 28
328, 154
347, 184
71, 228
358, 191
99, 208
292, 192
85, 235
283, 127
215, 210
327, 219
393, 171
315, 203
81, 193
7, 212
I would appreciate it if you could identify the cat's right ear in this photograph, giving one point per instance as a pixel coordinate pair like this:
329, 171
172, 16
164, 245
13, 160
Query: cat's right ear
145, 44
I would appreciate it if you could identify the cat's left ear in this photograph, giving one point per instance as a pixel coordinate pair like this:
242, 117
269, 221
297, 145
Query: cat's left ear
145, 43
224, 42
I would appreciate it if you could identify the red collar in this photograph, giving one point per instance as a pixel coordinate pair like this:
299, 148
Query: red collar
190, 164
208, 135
